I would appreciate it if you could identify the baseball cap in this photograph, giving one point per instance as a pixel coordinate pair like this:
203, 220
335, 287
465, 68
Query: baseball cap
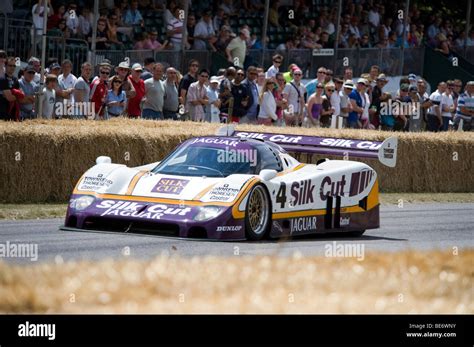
363, 81
214, 79
470, 83
124, 65
348, 84
54, 66
30, 68
412, 76
137, 67
382, 77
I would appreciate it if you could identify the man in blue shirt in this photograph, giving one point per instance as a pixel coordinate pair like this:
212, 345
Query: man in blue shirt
465, 108
249, 82
132, 15
357, 98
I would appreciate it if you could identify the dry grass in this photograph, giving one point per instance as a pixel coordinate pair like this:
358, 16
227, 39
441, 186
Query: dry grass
421, 282
42, 160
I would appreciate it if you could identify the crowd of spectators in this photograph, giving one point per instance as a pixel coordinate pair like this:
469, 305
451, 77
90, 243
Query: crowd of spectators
212, 25
257, 95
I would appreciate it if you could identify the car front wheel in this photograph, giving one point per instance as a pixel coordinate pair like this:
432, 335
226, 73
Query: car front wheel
258, 213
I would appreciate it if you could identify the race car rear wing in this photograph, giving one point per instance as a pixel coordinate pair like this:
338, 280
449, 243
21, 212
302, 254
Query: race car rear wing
385, 152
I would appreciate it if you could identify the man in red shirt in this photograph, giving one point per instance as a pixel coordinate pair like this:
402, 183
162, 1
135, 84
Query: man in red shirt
99, 89
134, 110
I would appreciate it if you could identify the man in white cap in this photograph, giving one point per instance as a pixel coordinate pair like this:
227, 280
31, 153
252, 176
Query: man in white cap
212, 112
123, 70
345, 104
236, 49
412, 78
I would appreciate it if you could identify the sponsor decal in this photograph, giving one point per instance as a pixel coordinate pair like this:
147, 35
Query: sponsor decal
360, 181
302, 224
137, 210
223, 193
332, 188
350, 144
344, 221
93, 183
216, 141
302, 192
273, 138
170, 186
229, 228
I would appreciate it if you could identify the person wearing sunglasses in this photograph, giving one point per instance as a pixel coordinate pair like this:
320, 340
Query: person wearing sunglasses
99, 89
197, 96
328, 109
320, 78
275, 68
294, 93
268, 106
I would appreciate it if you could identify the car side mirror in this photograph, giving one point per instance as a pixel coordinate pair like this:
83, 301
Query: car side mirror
267, 175
103, 160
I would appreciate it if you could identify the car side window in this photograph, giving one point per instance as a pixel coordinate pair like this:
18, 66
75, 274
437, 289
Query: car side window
269, 159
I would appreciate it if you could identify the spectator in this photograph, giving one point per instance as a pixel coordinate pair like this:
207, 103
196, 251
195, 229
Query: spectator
374, 16
187, 80
346, 106
241, 95
112, 29
294, 93
328, 76
260, 80
116, 99
48, 98
175, 29
320, 78
72, 19
154, 95
190, 27
250, 83
228, 7
336, 104
273, 14
204, 33
133, 16
358, 101
387, 119
169, 12
3, 60
268, 106
465, 108
223, 39
53, 20
66, 33
328, 109
402, 116
275, 68
82, 90
435, 119
348, 74
377, 98
134, 102
123, 71
102, 41
171, 101
8, 83
38, 12
197, 99
443, 46
282, 103
29, 88
447, 106
99, 89
219, 19
315, 105
236, 49
85, 23
212, 112
152, 43
140, 41
147, 68
374, 72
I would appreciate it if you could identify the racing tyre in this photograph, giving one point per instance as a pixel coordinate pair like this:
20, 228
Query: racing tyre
258, 214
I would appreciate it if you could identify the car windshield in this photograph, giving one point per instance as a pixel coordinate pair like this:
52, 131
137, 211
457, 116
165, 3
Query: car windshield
209, 161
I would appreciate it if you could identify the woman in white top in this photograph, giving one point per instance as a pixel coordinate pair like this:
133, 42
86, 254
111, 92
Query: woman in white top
268, 104
447, 107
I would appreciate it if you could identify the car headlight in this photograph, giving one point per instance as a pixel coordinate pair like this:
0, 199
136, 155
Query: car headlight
207, 212
83, 202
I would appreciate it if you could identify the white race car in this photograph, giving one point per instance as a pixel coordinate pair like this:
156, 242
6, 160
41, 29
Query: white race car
236, 185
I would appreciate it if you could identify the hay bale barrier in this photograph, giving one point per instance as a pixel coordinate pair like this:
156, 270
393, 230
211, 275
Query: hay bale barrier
42, 160
429, 282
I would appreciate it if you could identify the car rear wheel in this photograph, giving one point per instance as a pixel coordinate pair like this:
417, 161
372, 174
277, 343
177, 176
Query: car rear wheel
258, 213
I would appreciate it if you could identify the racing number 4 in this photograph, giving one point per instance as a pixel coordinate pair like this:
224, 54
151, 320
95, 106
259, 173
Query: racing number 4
281, 195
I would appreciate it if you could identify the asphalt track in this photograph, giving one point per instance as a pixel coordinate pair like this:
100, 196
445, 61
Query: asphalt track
415, 226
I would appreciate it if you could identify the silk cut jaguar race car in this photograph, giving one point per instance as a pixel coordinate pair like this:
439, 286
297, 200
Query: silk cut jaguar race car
236, 185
